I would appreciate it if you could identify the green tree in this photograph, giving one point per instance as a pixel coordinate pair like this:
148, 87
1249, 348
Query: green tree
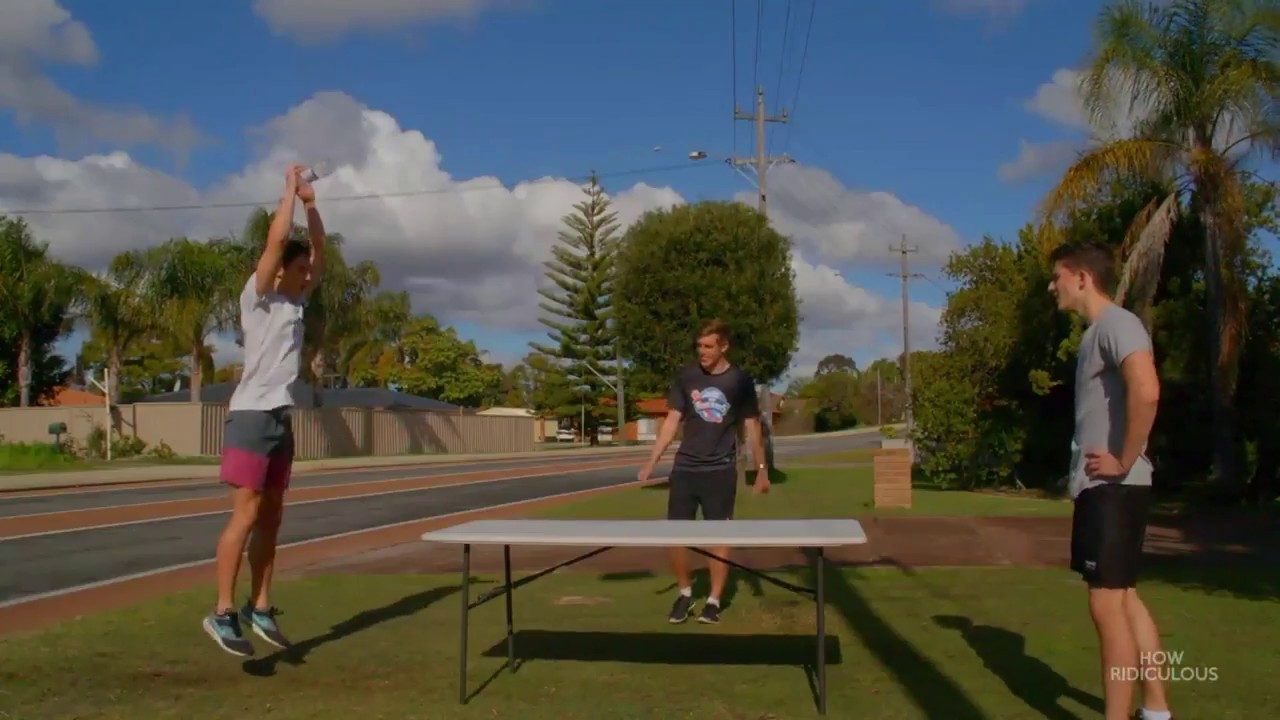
549, 389
1203, 76
440, 365
117, 313
682, 266
579, 307
192, 287
38, 295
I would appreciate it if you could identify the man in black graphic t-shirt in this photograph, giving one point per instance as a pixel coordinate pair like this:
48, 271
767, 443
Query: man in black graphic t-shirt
711, 398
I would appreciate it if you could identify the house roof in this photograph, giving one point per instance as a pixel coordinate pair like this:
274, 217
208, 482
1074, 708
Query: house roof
72, 397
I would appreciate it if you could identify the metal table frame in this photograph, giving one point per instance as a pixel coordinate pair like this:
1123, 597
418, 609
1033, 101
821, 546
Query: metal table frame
508, 587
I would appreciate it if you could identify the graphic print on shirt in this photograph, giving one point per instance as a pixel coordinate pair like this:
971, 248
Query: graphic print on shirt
710, 404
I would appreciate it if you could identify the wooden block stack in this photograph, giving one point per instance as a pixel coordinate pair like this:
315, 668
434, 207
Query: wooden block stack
893, 477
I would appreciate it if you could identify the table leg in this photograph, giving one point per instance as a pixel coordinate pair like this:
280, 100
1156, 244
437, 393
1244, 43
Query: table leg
822, 633
511, 638
466, 606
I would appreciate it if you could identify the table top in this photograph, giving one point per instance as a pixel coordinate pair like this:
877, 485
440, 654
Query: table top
815, 532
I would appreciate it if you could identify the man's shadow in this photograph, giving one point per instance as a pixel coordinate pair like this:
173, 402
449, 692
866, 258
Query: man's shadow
296, 654
1004, 653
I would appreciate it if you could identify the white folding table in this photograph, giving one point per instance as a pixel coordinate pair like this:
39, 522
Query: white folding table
809, 534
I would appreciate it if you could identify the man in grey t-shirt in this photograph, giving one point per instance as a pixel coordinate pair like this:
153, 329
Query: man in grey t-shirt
1116, 394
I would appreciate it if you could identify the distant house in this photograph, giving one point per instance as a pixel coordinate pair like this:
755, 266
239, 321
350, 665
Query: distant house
372, 398
73, 397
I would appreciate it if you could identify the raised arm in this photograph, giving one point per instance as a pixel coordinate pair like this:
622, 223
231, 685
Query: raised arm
277, 234
315, 235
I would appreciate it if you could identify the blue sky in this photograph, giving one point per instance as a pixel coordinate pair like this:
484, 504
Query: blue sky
921, 99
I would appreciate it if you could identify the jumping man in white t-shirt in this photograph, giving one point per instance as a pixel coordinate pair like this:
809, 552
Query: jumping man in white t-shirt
257, 448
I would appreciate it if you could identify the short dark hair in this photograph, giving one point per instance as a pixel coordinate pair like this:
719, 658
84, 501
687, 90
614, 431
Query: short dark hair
1094, 258
714, 326
294, 249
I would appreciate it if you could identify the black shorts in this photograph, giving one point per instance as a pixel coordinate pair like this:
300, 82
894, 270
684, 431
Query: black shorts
715, 491
1107, 531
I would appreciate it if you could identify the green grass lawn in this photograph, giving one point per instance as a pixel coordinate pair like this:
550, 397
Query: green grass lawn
944, 643
817, 492
856, 455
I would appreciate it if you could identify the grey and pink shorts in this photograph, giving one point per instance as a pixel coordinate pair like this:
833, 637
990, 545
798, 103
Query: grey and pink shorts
257, 449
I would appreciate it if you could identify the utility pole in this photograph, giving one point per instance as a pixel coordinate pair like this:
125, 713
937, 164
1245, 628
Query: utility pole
904, 274
762, 161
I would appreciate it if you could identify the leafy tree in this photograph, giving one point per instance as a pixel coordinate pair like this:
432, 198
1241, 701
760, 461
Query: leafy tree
372, 350
438, 364
580, 306
1202, 73
118, 313
148, 364
549, 389
192, 288
682, 266
37, 294
836, 362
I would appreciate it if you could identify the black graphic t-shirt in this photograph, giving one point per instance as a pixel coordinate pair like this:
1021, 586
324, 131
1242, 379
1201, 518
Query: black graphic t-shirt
712, 406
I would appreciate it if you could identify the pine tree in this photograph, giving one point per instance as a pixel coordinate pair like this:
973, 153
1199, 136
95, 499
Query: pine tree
578, 305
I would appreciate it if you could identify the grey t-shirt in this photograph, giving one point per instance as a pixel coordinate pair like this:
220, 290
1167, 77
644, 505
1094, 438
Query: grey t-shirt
1101, 397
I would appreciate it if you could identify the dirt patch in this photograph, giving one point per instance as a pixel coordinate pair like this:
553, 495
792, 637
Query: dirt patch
897, 541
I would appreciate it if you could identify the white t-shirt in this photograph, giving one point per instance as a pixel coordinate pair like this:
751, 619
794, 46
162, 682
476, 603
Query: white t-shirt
272, 325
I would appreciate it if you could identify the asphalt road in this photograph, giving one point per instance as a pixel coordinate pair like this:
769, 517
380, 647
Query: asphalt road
47, 563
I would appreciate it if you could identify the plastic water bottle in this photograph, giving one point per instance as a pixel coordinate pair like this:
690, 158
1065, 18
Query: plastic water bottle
317, 170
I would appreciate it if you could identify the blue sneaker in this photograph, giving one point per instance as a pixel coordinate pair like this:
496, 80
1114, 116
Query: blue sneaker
224, 628
264, 624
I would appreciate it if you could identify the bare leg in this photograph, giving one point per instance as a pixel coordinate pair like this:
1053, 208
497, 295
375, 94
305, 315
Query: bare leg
1119, 650
719, 572
680, 566
262, 546
244, 514
1147, 638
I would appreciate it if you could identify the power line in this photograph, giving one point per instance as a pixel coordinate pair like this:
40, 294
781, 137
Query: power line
339, 198
804, 57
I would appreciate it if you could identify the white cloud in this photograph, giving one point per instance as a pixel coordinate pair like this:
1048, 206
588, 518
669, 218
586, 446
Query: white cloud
1039, 159
1061, 102
316, 21
837, 317
835, 223
36, 31
465, 248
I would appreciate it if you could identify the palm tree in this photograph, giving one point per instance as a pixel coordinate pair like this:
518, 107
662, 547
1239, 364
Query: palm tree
191, 286
35, 291
1199, 79
115, 306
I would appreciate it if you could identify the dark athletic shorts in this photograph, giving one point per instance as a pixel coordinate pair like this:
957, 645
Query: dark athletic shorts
257, 449
1107, 530
715, 491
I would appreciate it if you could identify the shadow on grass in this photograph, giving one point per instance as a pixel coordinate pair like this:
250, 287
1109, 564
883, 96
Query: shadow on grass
296, 655
1004, 654
701, 581
936, 694
718, 650
1214, 549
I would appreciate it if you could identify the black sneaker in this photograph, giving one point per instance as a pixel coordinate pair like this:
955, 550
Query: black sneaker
224, 628
680, 609
710, 614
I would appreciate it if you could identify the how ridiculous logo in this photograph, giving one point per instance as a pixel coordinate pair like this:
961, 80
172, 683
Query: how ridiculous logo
1165, 666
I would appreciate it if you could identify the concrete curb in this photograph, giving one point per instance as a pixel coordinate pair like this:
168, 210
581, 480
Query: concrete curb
143, 474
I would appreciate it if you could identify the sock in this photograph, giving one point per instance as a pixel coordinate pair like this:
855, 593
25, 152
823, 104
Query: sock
1156, 714
716, 601
687, 592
